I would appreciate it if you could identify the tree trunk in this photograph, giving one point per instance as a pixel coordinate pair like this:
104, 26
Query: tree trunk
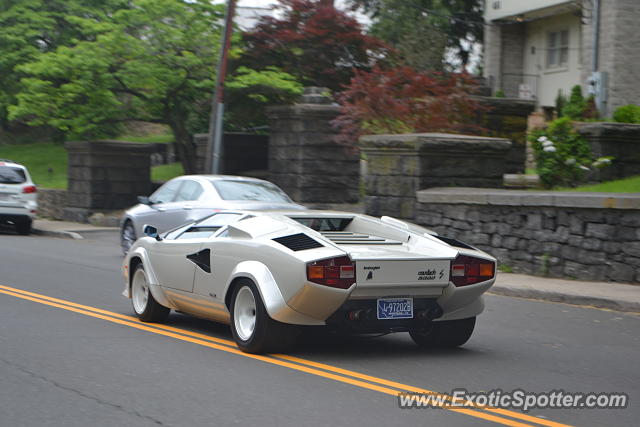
185, 148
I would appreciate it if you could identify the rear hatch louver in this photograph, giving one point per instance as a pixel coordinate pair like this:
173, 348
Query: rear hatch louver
298, 242
349, 238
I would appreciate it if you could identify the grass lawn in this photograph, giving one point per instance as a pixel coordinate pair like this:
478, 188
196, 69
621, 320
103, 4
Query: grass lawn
47, 163
626, 185
161, 138
166, 172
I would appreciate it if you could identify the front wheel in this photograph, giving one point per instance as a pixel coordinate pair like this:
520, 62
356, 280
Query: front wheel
127, 236
252, 328
144, 304
445, 334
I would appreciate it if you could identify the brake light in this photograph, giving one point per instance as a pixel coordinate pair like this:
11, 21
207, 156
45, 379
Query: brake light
335, 272
29, 189
467, 270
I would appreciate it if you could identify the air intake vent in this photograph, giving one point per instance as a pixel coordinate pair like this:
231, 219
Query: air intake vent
454, 242
298, 242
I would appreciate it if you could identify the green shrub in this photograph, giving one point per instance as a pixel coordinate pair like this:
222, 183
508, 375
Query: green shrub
561, 101
564, 157
627, 114
499, 94
575, 108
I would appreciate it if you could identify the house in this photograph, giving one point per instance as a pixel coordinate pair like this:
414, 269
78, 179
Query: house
247, 17
536, 48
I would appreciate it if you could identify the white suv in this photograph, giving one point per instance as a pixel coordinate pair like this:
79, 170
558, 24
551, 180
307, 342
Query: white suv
18, 196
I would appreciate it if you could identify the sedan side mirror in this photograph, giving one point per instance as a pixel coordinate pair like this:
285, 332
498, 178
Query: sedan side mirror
151, 231
144, 200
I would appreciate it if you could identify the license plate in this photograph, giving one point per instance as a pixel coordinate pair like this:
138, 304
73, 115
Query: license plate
395, 308
4, 196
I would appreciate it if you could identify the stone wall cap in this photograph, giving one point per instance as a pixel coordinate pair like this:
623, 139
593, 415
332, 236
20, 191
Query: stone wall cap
509, 101
607, 128
491, 196
419, 141
109, 146
303, 109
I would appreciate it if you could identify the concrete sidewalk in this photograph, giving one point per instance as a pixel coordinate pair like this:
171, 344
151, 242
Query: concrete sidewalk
613, 296
69, 230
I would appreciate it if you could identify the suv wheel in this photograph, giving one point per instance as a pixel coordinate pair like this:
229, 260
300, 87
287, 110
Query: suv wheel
24, 227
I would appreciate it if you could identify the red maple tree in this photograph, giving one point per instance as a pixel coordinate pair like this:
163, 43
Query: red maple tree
403, 100
314, 41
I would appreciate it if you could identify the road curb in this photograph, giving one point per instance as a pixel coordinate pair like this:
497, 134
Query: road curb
573, 299
56, 233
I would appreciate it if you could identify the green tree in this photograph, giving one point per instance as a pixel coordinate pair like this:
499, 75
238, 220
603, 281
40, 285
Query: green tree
423, 30
249, 92
152, 62
29, 28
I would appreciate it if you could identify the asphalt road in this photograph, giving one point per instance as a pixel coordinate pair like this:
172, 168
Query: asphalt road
71, 355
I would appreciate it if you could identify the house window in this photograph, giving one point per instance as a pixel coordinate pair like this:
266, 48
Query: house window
558, 49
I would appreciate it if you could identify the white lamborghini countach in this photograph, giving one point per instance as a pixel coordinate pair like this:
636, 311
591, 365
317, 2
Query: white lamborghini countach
269, 274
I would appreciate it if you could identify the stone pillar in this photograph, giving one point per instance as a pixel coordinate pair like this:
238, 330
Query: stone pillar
512, 57
507, 118
493, 57
105, 175
304, 159
620, 140
619, 51
400, 165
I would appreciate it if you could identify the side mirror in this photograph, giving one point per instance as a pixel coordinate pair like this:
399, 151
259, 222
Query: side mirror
144, 200
151, 231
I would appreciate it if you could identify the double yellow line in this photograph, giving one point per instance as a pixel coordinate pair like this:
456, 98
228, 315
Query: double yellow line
500, 416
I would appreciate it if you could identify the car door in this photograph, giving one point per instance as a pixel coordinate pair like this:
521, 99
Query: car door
158, 212
173, 262
185, 203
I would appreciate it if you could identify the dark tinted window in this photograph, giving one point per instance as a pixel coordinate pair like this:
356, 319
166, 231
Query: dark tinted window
250, 190
12, 175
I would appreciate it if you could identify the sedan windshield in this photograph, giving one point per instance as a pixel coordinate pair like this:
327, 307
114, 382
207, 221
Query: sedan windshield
250, 190
12, 175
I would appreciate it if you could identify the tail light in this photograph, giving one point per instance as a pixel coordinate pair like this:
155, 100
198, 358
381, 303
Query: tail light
29, 189
335, 272
467, 270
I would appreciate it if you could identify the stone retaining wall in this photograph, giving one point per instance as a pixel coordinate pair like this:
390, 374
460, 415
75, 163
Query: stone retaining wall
241, 152
51, 203
104, 176
580, 235
399, 165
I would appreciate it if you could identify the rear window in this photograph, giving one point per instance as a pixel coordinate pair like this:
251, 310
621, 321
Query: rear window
250, 190
324, 224
12, 175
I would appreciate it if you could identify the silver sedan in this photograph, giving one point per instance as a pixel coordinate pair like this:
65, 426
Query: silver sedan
192, 197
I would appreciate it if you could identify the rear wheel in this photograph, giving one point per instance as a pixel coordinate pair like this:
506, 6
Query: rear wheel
446, 334
127, 236
252, 328
144, 304
23, 226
